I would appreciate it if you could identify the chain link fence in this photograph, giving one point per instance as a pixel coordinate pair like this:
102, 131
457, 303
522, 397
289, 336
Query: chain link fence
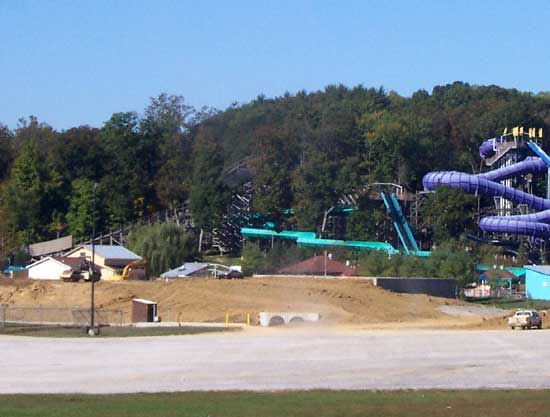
57, 316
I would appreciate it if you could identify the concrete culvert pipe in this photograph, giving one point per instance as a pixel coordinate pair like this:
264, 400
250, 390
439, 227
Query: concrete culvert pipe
295, 320
276, 321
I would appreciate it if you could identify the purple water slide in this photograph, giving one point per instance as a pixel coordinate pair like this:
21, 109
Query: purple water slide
531, 164
487, 148
537, 224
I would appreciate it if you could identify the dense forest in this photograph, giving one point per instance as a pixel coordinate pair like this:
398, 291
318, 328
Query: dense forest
302, 150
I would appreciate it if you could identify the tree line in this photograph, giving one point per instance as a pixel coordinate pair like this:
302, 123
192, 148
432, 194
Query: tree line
303, 151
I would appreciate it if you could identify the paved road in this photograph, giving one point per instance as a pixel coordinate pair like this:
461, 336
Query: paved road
278, 359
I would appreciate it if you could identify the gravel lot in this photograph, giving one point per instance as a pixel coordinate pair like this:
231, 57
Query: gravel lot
278, 359
472, 310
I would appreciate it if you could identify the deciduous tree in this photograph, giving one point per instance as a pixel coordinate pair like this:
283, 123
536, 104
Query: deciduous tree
164, 246
209, 195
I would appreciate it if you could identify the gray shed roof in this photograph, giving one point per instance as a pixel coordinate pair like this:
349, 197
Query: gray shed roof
185, 270
113, 252
542, 269
143, 301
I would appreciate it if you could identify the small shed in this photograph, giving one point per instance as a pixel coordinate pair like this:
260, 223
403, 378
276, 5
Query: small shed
537, 282
144, 311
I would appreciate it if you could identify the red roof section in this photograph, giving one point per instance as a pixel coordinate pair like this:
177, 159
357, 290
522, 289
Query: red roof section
498, 273
316, 266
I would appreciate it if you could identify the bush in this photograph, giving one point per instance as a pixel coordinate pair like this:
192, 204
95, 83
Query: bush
449, 261
253, 259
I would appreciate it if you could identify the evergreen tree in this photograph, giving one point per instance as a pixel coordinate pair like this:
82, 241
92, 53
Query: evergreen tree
79, 215
31, 195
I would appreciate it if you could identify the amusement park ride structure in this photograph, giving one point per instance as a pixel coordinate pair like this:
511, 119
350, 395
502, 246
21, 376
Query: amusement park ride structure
519, 213
509, 183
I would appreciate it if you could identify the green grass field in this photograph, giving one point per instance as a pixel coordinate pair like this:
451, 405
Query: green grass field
287, 404
68, 331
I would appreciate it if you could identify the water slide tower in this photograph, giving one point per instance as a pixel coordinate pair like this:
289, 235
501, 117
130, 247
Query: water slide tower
505, 151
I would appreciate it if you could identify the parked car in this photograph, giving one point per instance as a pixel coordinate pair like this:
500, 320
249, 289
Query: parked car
225, 272
526, 319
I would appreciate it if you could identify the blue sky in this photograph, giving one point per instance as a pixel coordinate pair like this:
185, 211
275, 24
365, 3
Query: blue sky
77, 62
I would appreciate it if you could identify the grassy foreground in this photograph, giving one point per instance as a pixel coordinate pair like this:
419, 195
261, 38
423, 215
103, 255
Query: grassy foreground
69, 331
310, 403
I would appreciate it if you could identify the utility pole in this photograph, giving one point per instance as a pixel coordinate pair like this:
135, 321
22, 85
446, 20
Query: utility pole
92, 331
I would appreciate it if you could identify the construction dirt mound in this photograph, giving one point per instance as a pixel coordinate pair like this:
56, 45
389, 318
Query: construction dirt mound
340, 301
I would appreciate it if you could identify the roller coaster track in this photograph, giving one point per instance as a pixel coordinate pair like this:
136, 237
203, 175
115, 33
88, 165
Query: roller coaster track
180, 215
227, 238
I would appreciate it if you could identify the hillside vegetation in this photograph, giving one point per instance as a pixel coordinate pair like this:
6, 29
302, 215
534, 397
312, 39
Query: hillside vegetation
302, 150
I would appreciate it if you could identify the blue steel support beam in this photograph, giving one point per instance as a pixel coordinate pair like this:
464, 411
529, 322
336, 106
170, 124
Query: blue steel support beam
404, 223
393, 216
539, 152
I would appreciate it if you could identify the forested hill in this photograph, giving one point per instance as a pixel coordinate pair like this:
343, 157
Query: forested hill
303, 150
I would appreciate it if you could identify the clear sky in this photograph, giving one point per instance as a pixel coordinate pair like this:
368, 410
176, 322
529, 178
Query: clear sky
76, 62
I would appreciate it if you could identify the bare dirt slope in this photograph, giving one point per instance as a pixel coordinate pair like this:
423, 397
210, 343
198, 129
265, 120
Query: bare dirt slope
340, 301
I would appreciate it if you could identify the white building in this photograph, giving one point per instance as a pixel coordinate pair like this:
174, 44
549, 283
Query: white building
54, 268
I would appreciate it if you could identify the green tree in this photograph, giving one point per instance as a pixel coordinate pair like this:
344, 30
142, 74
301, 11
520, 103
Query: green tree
31, 195
131, 163
395, 146
273, 163
9, 240
451, 260
367, 222
167, 121
31, 129
252, 259
79, 215
79, 153
167, 115
165, 246
6, 151
379, 264
209, 195
314, 188
451, 213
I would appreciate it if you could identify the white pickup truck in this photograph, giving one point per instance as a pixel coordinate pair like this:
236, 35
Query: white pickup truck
525, 319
